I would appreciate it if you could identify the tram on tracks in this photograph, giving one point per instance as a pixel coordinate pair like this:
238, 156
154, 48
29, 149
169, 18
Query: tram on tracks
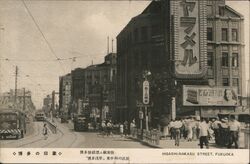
39, 115
12, 124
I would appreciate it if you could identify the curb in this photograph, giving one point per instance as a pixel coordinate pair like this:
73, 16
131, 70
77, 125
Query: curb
146, 143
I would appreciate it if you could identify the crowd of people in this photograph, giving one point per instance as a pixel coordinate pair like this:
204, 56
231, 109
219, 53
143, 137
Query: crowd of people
225, 132
108, 128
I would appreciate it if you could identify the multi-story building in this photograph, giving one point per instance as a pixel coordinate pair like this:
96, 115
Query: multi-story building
93, 88
65, 94
100, 87
195, 60
78, 89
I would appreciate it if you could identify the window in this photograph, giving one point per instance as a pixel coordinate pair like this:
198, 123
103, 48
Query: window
136, 35
225, 82
209, 33
221, 10
234, 35
235, 60
210, 59
144, 33
224, 34
156, 30
235, 82
209, 10
224, 59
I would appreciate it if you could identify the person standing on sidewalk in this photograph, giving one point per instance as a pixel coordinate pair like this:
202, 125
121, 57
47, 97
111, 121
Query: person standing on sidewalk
234, 131
121, 127
216, 129
177, 126
204, 131
45, 131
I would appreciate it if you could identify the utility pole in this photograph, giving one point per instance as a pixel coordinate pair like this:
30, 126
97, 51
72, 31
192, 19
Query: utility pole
24, 97
16, 74
112, 45
108, 45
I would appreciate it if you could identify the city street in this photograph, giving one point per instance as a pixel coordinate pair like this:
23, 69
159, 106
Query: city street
67, 138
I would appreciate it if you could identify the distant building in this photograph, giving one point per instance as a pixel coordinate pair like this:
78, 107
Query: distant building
65, 84
78, 89
23, 100
93, 88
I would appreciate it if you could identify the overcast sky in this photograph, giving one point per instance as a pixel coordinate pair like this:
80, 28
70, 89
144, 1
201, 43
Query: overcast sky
72, 28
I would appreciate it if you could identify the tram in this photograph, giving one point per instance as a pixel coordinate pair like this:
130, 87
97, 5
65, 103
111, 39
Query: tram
12, 123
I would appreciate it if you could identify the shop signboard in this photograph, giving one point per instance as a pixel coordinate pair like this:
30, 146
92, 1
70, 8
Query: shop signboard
188, 43
209, 96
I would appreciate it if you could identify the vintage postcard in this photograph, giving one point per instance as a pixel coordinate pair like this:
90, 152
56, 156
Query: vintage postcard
124, 81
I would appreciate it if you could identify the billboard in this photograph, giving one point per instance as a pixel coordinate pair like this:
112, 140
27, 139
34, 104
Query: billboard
209, 96
188, 40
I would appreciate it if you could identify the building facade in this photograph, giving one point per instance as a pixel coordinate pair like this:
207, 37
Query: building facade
65, 84
194, 60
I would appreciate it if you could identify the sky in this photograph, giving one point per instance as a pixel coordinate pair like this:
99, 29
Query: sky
34, 37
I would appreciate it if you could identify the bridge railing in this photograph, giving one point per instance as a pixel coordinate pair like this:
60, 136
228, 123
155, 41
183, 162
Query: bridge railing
52, 126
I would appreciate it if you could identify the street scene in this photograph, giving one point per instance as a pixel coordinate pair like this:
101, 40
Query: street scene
125, 74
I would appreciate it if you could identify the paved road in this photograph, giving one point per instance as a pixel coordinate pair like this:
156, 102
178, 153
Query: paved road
66, 137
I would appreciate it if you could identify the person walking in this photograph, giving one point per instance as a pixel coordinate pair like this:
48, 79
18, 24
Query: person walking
177, 126
190, 130
216, 128
45, 131
132, 127
171, 129
224, 132
121, 127
126, 128
204, 132
234, 131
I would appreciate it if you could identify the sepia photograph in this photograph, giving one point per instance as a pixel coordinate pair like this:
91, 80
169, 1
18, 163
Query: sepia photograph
124, 81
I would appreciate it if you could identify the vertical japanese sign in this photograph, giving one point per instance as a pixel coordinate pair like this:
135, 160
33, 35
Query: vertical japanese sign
145, 92
188, 26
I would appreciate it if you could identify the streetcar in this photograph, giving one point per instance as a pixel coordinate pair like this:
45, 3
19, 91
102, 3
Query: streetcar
39, 115
12, 124
80, 123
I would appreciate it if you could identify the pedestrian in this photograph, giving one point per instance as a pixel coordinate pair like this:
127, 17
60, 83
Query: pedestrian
103, 128
177, 126
109, 128
45, 131
234, 131
216, 128
171, 129
132, 127
121, 127
189, 130
204, 132
126, 128
224, 132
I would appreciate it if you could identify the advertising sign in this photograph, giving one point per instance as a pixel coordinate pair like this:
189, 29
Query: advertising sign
145, 92
207, 96
189, 42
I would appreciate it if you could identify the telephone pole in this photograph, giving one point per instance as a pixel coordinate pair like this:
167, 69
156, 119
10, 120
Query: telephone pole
16, 74
24, 97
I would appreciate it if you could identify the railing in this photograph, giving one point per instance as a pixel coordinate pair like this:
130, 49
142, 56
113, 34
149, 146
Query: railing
152, 137
51, 125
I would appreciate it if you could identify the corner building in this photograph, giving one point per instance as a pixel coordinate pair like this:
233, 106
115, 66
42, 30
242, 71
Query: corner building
183, 82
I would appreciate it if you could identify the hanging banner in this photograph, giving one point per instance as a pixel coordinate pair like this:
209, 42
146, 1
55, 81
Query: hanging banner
188, 27
207, 96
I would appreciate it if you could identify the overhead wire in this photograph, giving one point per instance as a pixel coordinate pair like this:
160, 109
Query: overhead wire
41, 32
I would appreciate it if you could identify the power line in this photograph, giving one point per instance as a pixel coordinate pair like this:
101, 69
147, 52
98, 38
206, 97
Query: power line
32, 60
39, 29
